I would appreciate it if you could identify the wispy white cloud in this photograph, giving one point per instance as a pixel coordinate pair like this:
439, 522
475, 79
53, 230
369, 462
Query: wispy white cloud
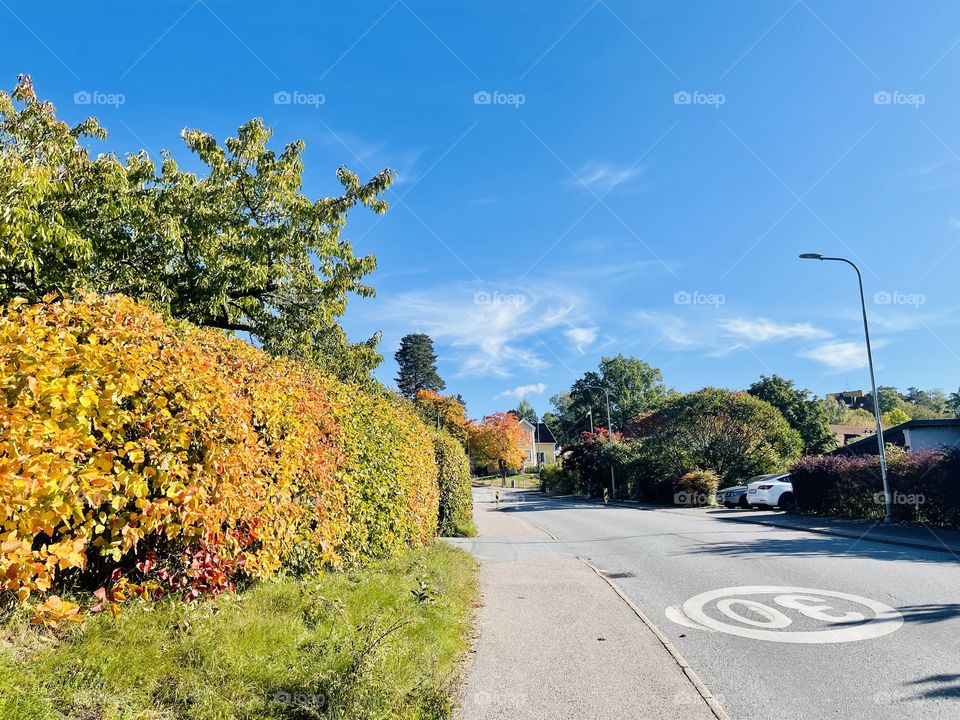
604, 177
522, 391
840, 355
581, 337
487, 331
764, 330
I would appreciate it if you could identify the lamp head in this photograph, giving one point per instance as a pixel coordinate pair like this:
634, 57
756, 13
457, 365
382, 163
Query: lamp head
811, 256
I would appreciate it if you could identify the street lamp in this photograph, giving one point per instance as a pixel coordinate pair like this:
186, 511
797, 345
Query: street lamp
613, 482
888, 511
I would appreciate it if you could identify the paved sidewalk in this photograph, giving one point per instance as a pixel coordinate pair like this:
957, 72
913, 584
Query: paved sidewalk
557, 641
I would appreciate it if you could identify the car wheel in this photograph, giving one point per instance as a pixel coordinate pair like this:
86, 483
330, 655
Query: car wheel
742, 502
787, 502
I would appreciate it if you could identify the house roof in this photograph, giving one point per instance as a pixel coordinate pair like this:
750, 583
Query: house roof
869, 444
544, 435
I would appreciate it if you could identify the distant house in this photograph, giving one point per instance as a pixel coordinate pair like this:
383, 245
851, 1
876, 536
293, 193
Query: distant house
846, 434
539, 445
913, 436
852, 399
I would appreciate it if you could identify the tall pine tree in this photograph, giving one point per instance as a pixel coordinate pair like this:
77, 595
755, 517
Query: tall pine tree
418, 365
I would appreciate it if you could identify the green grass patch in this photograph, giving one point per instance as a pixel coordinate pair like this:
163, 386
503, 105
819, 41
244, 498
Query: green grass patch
527, 481
381, 642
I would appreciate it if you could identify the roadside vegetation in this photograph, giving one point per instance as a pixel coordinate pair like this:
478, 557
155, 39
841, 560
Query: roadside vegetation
367, 643
193, 525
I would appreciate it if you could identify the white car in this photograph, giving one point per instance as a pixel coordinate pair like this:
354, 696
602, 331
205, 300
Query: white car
771, 491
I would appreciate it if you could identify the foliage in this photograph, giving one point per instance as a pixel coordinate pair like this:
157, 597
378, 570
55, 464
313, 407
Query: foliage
239, 248
590, 460
732, 433
444, 412
804, 413
558, 480
455, 518
922, 486
697, 487
125, 438
389, 477
835, 411
953, 403
498, 440
418, 365
525, 411
354, 645
894, 417
889, 397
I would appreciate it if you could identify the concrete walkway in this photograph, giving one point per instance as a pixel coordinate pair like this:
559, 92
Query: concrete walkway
556, 640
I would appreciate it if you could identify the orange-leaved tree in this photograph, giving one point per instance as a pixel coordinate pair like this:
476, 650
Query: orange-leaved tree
497, 440
445, 412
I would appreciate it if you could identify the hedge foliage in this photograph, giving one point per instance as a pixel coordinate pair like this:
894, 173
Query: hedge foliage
923, 487
456, 499
126, 441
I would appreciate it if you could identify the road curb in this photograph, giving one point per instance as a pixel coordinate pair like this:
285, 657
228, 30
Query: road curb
688, 671
850, 535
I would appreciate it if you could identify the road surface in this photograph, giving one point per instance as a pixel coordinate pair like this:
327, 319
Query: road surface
778, 623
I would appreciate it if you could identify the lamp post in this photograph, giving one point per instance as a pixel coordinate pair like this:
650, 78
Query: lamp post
613, 482
590, 414
888, 510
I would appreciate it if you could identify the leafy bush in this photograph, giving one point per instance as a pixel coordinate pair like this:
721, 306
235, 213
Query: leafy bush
455, 517
922, 486
697, 487
558, 480
124, 438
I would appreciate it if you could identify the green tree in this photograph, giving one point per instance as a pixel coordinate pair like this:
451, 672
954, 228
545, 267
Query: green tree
835, 411
805, 413
953, 403
238, 248
635, 388
889, 399
525, 411
894, 417
418, 365
732, 433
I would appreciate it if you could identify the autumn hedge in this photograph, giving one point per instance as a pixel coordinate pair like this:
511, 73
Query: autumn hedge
155, 457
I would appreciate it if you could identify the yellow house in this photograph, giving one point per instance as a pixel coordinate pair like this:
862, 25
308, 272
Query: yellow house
539, 444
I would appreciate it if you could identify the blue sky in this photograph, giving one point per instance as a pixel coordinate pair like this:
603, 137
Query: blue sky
581, 179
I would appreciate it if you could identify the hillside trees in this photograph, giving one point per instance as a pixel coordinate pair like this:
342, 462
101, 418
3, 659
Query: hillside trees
418, 365
803, 412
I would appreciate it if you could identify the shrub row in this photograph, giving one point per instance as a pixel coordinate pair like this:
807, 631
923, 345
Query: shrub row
456, 499
923, 487
134, 447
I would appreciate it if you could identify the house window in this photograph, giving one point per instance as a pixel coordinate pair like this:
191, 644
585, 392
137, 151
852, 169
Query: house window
529, 456
541, 458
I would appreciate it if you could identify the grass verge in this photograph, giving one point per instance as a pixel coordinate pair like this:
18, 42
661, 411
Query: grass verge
527, 481
382, 642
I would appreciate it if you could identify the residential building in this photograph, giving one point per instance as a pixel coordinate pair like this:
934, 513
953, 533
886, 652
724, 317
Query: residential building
846, 434
853, 399
539, 445
913, 436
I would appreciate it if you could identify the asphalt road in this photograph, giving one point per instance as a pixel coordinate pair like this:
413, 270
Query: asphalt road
755, 610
